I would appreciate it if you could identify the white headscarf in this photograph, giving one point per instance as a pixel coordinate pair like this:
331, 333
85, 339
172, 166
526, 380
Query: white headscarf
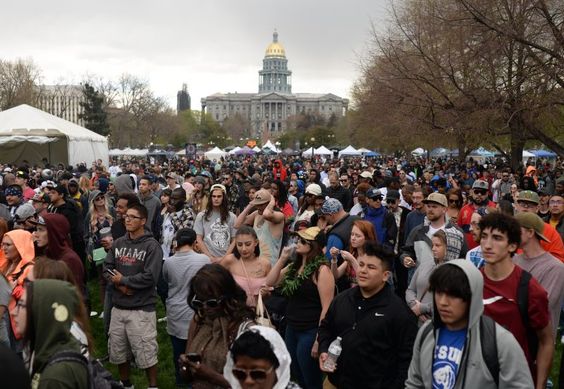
280, 350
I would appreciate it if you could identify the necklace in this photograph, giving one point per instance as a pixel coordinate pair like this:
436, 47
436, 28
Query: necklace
292, 281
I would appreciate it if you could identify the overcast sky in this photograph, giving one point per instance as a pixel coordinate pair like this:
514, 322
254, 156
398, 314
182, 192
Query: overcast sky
212, 46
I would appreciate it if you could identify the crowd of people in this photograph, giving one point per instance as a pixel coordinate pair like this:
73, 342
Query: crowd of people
420, 272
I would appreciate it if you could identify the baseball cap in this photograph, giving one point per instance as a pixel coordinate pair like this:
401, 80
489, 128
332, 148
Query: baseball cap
331, 206
263, 196
313, 189
39, 222
438, 198
374, 192
366, 174
392, 194
60, 189
218, 186
41, 197
528, 195
48, 184
480, 184
532, 221
309, 233
22, 174
24, 212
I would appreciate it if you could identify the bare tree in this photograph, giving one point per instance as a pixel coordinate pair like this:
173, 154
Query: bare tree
18, 83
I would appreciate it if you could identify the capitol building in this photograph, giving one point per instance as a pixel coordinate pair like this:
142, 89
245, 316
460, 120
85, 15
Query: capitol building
268, 110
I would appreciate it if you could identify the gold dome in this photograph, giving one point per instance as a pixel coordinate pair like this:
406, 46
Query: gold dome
275, 49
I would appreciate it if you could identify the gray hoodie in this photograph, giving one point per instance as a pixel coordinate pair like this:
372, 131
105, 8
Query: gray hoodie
473, 371
139, 261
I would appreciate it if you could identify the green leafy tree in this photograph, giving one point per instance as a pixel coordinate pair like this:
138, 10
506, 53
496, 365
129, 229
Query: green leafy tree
94, 115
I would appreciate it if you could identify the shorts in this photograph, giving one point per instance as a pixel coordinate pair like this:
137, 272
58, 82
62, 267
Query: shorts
133, 333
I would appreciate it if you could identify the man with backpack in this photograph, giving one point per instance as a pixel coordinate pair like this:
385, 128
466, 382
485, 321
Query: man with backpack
512, 297
461, 348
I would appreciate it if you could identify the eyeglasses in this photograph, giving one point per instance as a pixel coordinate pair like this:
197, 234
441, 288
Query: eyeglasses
303, 241
556, 202
99, 198
256, 374
480, 191
391, 201
376, 198
452, 200
129, 217
211, 303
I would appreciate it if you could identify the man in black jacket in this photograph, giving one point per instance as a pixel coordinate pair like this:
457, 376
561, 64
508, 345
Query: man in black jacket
376, 327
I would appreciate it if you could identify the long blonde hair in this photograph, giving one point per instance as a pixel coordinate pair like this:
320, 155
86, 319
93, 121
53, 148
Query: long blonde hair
92, 210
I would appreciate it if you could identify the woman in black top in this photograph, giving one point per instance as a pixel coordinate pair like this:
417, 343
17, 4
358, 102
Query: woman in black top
309, 286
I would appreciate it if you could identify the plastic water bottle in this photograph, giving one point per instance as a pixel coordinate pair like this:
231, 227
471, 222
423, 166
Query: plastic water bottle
334, 352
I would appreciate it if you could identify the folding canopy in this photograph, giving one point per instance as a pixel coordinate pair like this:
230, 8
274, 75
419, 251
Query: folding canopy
349, 151
215, 153
28, 133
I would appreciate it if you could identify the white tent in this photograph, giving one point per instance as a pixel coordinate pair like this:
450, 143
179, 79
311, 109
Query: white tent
308, 153
350, 151
269, 145
256, 149
232, 152
322, 150
364, 150
32, 134
528, 154
215, 153
418, 152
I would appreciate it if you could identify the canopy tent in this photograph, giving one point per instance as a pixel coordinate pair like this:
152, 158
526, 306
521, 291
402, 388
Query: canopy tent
373, 154
256, 149
269, 145
543, 153
234, 151
308, 152
364, 150
129, 152
439, 152
349, 151
528, 154
481, 152
28, 133
322, 150
215, 153
418, 152
245, 151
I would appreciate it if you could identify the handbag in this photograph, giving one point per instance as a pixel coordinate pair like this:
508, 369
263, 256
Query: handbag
263, 318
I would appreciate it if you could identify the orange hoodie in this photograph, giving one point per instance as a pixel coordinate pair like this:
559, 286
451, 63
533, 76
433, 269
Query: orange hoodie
23, 241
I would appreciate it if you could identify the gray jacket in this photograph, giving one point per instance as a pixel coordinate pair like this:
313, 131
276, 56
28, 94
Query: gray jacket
473, 371
153, 205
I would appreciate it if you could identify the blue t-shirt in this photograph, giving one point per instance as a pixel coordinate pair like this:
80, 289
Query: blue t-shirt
446, 360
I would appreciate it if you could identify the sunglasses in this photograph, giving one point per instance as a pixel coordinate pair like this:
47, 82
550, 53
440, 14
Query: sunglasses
211, 303
480, 191
452, 200
378, 198
303, 241
391, 201
256, 374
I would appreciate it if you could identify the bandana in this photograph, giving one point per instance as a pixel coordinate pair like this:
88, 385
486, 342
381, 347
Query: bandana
12, 191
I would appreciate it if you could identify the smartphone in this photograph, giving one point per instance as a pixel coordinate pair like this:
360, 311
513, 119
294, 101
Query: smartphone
111, 272
194, 357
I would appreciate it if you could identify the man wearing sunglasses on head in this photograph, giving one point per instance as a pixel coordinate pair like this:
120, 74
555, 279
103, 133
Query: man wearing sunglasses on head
478, 198
133, 265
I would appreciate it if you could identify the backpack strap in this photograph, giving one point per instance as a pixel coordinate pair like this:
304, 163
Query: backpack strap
489, 346
523, 303
68, 356
427, 328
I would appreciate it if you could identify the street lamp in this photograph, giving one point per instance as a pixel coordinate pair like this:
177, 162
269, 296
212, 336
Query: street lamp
312, 147
277, 144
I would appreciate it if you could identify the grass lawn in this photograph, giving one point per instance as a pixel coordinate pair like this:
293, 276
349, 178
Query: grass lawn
166, 366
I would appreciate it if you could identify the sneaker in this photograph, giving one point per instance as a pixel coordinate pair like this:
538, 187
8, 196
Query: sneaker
93, 313
162, 319
127, 387
101, 316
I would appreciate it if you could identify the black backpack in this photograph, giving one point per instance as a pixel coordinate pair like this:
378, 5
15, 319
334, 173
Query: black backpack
487, 342
523, 303
98, 376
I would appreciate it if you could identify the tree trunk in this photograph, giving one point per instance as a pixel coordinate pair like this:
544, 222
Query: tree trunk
517, 141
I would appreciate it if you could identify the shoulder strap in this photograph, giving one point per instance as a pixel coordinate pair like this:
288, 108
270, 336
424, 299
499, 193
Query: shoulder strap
489, 346
70, 356
523, 303
523, 296
427, 328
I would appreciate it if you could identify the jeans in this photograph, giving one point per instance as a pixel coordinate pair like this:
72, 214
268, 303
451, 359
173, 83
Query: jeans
178, 347
108, 307
304, 367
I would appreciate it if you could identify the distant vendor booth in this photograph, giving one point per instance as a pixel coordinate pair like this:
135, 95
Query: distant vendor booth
27, 133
